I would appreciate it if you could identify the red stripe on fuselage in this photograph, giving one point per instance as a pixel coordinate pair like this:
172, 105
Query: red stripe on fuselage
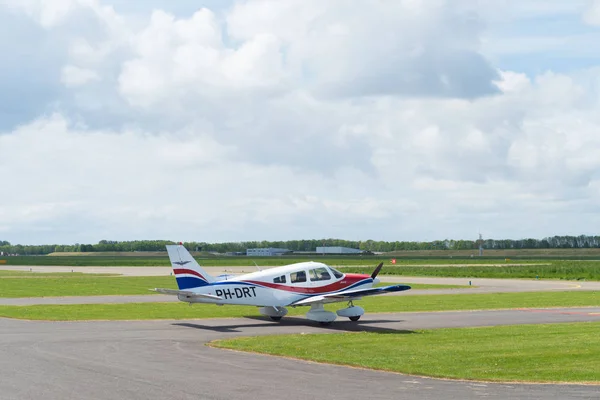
188, 271
348, 280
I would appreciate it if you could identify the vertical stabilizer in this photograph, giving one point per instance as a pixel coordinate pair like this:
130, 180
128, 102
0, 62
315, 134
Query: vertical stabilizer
188, 272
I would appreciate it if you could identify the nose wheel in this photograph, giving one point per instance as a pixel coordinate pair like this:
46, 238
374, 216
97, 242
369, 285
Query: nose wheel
355, 317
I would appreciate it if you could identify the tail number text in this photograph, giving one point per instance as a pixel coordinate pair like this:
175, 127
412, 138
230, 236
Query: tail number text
239, 293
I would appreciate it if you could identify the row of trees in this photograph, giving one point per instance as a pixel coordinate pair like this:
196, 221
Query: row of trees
564, 242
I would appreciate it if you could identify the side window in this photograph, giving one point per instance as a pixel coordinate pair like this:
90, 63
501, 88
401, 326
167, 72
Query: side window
319, 274
279, 279
296, 277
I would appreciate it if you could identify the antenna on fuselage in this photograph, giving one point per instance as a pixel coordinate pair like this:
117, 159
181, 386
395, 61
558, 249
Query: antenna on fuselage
259, 268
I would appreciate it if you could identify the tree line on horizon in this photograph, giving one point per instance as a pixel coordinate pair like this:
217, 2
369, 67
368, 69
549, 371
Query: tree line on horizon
554, 242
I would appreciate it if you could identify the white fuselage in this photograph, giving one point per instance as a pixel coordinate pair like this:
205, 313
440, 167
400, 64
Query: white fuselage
280, 286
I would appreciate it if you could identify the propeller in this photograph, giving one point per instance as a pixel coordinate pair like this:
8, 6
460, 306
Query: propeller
374, 274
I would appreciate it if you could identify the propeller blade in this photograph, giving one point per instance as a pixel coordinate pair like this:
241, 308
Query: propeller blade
374, 274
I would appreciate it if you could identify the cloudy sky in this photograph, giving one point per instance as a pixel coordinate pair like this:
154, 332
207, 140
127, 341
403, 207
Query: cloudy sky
267, 119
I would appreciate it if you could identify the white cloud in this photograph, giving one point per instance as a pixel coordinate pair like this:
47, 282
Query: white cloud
48, 13
316, 46
591, 15
75, 76
129, 183
299, 119
178, 56
52, 13
513, 82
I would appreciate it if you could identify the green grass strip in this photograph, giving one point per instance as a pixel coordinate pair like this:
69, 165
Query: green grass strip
540, 353
569, 270
82, 285
375, 304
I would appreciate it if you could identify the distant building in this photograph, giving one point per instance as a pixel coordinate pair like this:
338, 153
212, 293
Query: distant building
266, 251
337, 250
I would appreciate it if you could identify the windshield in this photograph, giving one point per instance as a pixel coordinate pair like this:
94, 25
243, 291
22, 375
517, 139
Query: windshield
336, 273
319, 274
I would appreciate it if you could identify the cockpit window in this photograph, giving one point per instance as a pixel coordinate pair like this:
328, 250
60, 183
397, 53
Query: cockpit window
319, 274
299, 276
279, 279
336, 273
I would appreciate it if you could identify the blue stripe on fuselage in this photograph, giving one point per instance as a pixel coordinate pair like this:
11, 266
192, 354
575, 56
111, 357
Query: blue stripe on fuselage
187, 282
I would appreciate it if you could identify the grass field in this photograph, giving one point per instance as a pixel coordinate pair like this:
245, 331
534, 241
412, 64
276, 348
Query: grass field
570, 270
82, 285
592, 253
154, 260
178, 310
30, 284
540, 353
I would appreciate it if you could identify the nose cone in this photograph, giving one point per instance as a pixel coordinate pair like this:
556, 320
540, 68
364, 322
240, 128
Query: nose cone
376, 281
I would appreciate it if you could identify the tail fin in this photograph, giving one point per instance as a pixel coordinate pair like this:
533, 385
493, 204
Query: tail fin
187, 271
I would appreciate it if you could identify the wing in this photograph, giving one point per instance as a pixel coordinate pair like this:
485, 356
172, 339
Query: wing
350, 294
186, 293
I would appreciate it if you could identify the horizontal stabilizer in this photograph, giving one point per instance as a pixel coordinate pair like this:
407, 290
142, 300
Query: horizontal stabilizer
187, 293
350, 294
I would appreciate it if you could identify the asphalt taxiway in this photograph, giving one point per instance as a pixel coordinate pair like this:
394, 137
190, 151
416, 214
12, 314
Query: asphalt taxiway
168, 359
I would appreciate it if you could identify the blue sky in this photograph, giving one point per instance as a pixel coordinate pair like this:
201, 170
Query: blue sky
557, 42
259, 119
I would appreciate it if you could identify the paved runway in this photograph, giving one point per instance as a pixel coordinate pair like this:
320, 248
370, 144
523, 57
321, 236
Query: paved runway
168, 360
127, 271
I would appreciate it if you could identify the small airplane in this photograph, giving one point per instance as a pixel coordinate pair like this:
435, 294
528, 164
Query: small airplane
272, 290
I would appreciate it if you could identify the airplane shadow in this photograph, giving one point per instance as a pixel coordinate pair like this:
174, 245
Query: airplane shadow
272, 326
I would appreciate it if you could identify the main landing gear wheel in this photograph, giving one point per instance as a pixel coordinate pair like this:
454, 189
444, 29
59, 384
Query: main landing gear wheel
325, 323
354, 318
276, 318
